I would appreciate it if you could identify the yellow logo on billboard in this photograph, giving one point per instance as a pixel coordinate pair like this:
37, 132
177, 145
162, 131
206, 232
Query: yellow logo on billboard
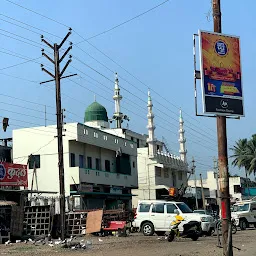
211, 87
227, 88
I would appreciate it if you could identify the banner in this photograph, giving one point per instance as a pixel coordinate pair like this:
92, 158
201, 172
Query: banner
13, 175
221, 74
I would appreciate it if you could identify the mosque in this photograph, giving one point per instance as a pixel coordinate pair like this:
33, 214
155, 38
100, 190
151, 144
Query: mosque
104, 167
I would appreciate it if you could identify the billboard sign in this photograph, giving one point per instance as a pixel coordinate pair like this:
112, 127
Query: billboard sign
13, 175
221, 74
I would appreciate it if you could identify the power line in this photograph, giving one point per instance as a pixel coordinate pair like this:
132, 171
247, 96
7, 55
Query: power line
123, 23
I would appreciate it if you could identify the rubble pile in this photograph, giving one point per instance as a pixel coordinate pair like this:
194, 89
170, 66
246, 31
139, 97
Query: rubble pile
71, 243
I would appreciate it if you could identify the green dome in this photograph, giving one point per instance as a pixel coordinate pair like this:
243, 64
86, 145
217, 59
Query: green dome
95, 112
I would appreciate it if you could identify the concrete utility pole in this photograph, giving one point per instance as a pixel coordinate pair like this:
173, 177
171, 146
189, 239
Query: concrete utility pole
216, 173
223, 157
56, 77
194, 172
202, 192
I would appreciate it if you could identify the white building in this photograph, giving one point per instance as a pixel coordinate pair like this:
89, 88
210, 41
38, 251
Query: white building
235, 184
100, 168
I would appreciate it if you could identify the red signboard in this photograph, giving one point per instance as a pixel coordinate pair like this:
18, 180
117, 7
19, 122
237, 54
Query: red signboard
13, 175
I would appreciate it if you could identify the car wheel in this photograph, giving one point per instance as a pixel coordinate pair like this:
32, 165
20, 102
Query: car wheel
148, 229
171, 237
243, 224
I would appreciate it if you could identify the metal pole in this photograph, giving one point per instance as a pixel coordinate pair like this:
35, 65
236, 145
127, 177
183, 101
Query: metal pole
60, 140
202, 191
194, 170
223, 156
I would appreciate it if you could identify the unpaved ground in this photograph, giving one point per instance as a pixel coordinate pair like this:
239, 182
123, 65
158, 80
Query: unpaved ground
139, 245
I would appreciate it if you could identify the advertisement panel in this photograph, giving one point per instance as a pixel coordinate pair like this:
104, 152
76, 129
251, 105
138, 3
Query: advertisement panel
221, 74
13, 175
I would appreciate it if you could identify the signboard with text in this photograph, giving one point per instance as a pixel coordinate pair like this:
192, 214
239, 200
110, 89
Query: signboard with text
13, 175
221, 74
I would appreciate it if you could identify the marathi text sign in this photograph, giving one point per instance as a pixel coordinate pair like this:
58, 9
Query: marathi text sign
13, 175
221, 74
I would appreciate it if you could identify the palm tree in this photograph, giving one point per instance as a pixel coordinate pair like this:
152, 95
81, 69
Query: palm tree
240, 151
251, 154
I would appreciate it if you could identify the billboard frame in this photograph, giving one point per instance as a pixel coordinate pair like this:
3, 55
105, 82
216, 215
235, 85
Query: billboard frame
230, 115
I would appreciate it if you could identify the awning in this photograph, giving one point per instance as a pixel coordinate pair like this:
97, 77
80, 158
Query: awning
7, 203
99, 193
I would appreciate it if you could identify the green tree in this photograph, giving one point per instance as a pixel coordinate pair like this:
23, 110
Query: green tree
250, 155
240, 159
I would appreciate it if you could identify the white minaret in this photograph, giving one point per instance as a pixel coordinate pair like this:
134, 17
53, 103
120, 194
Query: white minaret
151, 128
118, 116
182, 140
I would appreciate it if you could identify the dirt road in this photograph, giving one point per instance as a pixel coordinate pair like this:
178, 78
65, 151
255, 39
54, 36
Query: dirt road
139, 245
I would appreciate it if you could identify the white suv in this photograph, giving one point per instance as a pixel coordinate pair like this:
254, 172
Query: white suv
244, 213
155, 216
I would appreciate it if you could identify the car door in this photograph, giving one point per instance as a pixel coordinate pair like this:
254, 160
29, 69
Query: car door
157, 216
253, 213
170, 215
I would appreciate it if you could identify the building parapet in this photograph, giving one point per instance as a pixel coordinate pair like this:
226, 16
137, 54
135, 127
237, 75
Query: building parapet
171, 160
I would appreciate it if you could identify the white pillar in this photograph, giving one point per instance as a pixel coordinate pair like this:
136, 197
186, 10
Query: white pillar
118, 116
151, 128
182, 140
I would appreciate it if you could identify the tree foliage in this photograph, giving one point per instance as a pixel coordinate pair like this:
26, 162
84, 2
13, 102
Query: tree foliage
244, 155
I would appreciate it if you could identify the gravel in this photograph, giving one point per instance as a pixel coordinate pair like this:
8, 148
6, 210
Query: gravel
139, 245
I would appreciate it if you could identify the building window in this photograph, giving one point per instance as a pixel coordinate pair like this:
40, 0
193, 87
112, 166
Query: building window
237, 189
105, 137
107, 165
85, 131
158, 171
133, 164
89, 162
125, 143
166, 173
34, 161
95, 134
180, 175
138, 143
97, 162
72, 160
116, 141
132, 138
131, 145
81, 161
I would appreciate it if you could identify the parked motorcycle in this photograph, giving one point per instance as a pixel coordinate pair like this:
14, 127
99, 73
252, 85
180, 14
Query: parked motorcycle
191, 229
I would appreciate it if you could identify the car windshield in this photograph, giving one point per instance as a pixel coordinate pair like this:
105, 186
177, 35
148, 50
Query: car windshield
184, 208
241, 208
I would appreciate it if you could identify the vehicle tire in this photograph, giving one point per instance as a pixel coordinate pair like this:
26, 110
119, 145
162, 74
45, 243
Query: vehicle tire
234, 229
148, 229
243, 224
195, 237
171, 237
160, 233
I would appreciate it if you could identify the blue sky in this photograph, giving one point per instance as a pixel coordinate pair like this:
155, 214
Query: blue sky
156, 48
